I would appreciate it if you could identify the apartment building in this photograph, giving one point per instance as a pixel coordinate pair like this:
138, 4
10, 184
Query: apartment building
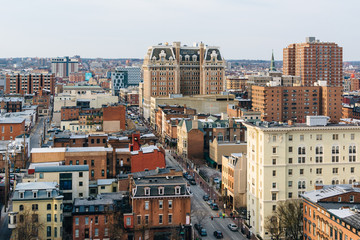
280, 103
331, 212
11, 127
313, 61
62, 67
284, 161
233, 179
158, 204
11, 104
40, 202
176, 69
236, 83
29, 83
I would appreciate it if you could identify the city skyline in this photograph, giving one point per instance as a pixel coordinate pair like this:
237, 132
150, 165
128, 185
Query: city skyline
112, 29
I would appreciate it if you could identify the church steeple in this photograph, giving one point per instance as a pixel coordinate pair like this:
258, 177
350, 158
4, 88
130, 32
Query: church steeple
272, 64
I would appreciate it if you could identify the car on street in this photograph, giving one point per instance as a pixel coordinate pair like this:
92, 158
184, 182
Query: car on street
202, 232
214, 206
198, 226
233, 227
206, 198
185, 174
192, 182
209, 202
216, 180
218, 234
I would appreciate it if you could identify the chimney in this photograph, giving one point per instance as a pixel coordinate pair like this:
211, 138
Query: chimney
195, 124
135, 142
319, 186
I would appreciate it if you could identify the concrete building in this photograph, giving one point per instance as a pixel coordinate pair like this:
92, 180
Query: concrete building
29, 83
314, 61
62, 67
176, 69
119, 79
331, 212
218, 149
284, 161
39, 202
233, 180
203, 104
133, 74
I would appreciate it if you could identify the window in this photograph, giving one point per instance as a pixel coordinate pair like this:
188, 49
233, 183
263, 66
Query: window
96, 220
55, 231
76, 232
21, 195
170, 204
290, 161
339, 199
160, 204
301, 137
92, 173
290, 149
274, 173
177, 190
48, 207
21, 208
352, 136
146, 219
77, 221
170, 219
11, 129
35, 207
139, 219
35, 194
274, 161
41, 176
86, 220
92, 163
301, 151
319, 137
147, 191
274, 138
319, 171
274, 150
301, 159
70, 162
290, 137
352, 170
48, 231
97, 232
48, 217
290, 172
301, 171
80, 184
102, 173
80, 174
146, 205
335, 170
273, 196
161, 190
128, 221
160, 219
335, 136
274, 185
106, 232
290, 195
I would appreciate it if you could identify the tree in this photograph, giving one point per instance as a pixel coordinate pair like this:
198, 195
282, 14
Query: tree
274, 227
287, 219
28, 225
116, 225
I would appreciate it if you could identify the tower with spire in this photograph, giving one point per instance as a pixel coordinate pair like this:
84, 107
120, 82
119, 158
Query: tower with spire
272, 64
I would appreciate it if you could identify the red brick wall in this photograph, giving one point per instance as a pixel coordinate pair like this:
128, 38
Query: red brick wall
7, 134
195, 144
115, 113
71, 113
100, 226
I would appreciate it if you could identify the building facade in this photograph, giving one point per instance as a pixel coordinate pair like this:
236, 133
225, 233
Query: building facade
62, 67
314, 61
284, 161
29, 83
176, 69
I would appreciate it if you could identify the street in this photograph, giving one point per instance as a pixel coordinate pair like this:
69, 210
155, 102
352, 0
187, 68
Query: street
202, 209
36, 134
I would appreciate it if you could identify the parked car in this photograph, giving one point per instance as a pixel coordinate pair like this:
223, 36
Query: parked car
192, 182
206, 197
214, 207
218, 234
197, 226
233, 227
216, 180
209, 202
202, 232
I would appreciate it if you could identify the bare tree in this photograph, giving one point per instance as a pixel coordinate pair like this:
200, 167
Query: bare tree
286, 220
28, 225
116, 225
274, 227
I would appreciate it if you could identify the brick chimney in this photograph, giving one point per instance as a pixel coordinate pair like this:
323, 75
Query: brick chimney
135, 142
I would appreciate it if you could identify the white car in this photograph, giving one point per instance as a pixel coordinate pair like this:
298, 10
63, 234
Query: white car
233, 227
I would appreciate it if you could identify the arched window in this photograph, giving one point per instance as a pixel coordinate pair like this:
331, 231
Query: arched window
301, 151
21, 208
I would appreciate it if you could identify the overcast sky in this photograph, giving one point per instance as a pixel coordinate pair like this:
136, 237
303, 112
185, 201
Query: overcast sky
244, 29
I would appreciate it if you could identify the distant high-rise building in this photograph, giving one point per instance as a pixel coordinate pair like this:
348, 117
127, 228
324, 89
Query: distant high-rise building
314, 61
29, 83
62, 67
176, 69
133, 74
119, 79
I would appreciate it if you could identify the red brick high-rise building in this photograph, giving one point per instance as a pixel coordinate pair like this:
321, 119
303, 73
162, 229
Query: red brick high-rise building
29, 83
314, 61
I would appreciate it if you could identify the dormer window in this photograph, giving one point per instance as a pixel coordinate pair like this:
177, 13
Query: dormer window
21, 194
177, 190
147, 191
48, 193
161, 190
35, 193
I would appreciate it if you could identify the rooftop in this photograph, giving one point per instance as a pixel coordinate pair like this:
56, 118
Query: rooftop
63, 168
